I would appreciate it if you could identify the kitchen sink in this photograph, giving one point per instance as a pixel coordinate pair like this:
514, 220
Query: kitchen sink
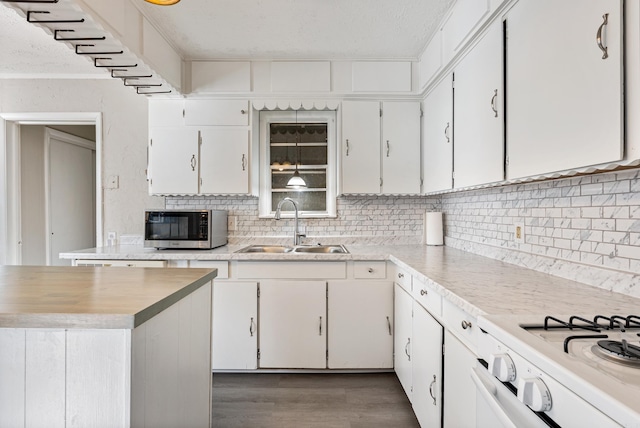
266, 249
321, 249
315, 249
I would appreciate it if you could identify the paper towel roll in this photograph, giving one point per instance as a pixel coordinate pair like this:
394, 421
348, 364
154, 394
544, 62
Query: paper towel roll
433, 228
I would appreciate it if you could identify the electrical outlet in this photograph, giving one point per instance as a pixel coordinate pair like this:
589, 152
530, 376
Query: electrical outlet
111, 238
518, 232
232, 222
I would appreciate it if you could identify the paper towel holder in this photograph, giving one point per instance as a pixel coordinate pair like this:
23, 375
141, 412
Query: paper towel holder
433, 228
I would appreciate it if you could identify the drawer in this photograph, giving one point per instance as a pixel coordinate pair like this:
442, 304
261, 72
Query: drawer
291, 270
221, 265
425, 295
402, 277
461, 324
372, 269
122, 263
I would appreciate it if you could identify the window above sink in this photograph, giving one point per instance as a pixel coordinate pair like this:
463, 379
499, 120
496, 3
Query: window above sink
302, 141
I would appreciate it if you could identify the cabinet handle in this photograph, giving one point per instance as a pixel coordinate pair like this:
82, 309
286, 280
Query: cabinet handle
400, 275
320, 328
389, 326
347, 147
251, 329
193, 162
431, 385
244, 162
446, 132
423, 292
243, 111
370, 270
605, 21
387, 148
406, 348
465, 324
494, 106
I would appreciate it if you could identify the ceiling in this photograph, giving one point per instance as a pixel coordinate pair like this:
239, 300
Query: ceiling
245, 29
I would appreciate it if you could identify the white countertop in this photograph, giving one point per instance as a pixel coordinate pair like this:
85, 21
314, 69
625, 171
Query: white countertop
477, 284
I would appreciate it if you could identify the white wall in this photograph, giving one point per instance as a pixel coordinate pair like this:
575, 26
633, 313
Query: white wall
124, 115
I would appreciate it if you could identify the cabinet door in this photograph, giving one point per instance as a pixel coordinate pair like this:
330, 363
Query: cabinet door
402, 338
459, 389
438, 138
360, 147
166, 113
293, 324
564, 99
173, 161
235, 326
478, 113
216, 112
427, 368
400, 147
224, 156
360, 339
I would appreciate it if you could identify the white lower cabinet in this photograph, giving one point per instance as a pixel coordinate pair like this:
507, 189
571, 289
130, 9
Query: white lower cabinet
402, 338
293, 324
427, 368
235, 325
459, 389
360, 339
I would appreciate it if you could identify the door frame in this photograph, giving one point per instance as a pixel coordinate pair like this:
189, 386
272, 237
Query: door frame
10, 209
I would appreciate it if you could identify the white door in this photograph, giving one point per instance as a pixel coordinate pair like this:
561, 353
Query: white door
427, 368
459, 388
235, 326
401, 147
360, 147
224, 157
174, 162
360, 339
479, 115
564, 100
437, 163
293, 324
71, 195
402, 338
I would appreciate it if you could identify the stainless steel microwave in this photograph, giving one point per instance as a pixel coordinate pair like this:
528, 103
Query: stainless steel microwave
195, 229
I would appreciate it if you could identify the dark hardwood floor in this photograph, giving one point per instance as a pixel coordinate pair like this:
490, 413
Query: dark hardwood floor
332, 400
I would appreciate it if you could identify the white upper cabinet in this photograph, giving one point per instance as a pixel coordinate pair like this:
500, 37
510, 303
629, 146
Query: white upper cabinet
166, 113
564, 85
437, 163
479, 113
216, 112
173, 161
400, 147
224, 155
466, 16
360, 147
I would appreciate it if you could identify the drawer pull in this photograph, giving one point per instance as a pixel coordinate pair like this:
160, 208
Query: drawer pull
423, 292
465, 324
370, 270
400, 275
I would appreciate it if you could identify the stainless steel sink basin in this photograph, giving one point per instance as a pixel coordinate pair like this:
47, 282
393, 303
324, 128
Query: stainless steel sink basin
321, 249
265, 249
275, 249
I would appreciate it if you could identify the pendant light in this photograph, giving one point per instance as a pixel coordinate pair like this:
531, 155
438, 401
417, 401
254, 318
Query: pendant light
296, 182
163, 2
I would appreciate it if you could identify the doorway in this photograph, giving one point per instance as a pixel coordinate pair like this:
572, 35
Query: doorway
50, 192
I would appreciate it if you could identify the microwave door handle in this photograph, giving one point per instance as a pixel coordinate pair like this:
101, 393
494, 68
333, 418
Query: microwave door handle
509, 411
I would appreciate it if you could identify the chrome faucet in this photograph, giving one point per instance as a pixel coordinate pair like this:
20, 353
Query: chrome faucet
297, 236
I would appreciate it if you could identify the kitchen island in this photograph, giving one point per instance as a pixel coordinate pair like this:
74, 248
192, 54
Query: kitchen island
105, 347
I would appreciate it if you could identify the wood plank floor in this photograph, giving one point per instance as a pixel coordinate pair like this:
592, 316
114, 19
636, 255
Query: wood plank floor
332, 400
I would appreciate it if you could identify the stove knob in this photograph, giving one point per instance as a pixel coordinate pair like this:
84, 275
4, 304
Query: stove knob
502, 367
534, 393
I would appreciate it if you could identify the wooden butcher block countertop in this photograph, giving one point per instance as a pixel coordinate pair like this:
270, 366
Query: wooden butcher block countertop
91, 297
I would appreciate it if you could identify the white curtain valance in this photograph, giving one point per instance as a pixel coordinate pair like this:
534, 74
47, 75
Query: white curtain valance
295, 104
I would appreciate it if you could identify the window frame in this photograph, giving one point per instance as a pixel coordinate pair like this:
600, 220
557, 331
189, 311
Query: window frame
265, 208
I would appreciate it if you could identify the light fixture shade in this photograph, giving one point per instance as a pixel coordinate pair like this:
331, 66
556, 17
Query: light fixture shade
296, 182
163, 2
